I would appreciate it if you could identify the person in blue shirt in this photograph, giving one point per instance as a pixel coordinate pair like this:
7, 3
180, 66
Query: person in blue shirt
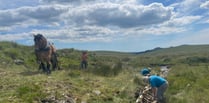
158, 84
145, 71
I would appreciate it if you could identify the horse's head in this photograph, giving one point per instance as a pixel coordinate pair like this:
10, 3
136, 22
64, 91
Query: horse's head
40, 41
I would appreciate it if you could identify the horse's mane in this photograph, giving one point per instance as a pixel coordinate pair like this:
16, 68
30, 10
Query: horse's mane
40, 41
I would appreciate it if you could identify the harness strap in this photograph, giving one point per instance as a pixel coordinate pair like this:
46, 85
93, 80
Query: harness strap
46, 48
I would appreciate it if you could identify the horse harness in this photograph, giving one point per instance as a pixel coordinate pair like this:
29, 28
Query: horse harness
46, 48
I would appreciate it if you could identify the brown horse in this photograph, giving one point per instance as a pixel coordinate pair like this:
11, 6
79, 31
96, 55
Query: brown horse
45, 53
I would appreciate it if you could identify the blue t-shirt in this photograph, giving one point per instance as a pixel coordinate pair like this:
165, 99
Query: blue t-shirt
145, 71
156, 81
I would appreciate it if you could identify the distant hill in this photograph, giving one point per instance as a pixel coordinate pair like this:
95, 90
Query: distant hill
147, 51
178, 50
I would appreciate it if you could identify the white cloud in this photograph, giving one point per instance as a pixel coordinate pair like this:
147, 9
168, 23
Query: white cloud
95, 22
81, 34
12, 4
88, 1
101, 20
14, 37
64, 2
5, 29
35, 15
42, 14
122, 1
186, 7
125, 16
9, 18
154, 30
181, 21
205, 5
102, 14
163, 30
189, 5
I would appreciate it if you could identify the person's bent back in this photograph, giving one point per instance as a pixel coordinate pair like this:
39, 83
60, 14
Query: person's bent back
158, 85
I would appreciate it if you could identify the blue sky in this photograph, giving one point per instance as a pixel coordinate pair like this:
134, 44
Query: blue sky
113, 25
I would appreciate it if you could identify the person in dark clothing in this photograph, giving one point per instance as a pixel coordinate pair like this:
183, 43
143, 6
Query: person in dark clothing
84, 62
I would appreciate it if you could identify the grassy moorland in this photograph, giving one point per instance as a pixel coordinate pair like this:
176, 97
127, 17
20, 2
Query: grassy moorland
111, 77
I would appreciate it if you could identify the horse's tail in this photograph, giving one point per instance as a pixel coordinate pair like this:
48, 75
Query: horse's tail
54, 59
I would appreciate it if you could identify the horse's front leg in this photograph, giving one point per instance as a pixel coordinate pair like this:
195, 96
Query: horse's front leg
43, 67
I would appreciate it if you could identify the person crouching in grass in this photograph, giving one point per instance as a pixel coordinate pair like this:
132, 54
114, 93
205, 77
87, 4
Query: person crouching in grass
159, 85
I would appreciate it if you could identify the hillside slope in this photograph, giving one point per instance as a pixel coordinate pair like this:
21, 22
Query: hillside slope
111, 77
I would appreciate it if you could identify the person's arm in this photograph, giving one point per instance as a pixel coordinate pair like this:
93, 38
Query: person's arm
154, 91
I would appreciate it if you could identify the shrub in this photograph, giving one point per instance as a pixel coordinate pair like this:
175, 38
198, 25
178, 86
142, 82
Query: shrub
107, 69
117, 68
12, 53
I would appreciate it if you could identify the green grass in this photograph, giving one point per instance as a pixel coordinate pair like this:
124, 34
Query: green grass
111, 77
188, 84
25, 87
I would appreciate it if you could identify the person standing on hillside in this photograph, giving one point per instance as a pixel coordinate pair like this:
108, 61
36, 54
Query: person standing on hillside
84, 62
159, 85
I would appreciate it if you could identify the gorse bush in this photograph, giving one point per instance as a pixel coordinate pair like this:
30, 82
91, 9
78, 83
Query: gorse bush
102, 70
12, 53
117, 68
106, 69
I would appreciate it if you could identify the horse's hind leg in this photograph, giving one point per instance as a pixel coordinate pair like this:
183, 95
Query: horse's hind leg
48, 68
40, 67
54, 64
54, 61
